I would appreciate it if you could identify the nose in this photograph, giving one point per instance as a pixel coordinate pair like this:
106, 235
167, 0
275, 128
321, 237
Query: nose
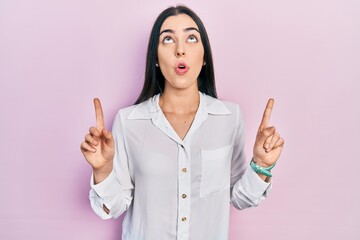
180, 50
180, 53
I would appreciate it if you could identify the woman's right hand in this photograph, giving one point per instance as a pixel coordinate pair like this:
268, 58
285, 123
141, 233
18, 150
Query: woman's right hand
98, 147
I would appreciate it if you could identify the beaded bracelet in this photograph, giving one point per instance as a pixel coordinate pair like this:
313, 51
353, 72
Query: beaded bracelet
261, 170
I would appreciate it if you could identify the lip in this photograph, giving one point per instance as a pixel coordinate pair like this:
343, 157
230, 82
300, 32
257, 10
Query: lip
181, 71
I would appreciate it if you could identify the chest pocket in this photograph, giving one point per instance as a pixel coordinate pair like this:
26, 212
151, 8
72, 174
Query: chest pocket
215, 170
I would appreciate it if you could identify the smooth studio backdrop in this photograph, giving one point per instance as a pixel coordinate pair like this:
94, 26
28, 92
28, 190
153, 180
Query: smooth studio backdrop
56, 56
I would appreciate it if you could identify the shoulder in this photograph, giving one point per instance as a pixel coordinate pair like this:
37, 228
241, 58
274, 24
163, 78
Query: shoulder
234, 114
142, 110
215, 105
121, 120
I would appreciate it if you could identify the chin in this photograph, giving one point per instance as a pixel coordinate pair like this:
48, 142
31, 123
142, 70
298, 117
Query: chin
183, 84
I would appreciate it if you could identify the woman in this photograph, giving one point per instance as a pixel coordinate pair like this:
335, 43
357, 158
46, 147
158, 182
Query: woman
176, 159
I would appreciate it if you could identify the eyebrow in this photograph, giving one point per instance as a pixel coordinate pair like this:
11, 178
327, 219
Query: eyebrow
185, 30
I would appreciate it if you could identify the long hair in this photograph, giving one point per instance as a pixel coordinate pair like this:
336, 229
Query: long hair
154, 80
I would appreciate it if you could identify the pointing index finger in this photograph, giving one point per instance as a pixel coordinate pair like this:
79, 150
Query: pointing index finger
267, 113
99, 114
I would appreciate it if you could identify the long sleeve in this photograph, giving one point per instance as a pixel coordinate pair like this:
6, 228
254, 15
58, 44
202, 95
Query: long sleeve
116, 191
247, 188
183, 186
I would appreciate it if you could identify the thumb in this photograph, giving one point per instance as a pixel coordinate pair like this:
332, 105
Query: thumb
108, 138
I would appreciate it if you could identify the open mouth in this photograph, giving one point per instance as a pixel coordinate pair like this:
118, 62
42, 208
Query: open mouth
181, 68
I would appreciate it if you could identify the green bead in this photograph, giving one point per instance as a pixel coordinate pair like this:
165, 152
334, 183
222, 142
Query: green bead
262, 170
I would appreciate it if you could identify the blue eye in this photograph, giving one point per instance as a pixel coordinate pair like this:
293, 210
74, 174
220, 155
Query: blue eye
192, 39
168, 40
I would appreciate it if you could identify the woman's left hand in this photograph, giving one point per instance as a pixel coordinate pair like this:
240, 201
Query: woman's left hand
268, 144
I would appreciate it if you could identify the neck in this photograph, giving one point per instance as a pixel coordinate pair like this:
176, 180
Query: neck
180, 101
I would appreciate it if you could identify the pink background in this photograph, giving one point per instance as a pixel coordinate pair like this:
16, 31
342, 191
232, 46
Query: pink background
56, 56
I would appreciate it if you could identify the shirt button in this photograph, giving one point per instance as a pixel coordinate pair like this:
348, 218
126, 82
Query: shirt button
184, 170
182, 146
184, 196
183, 219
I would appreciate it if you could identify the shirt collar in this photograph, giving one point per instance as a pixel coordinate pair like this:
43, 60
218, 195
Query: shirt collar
150, 108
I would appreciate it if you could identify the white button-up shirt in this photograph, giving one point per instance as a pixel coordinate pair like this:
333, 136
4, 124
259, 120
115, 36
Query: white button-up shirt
174, 188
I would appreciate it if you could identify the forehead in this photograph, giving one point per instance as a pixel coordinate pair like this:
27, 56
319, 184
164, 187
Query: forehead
180, 21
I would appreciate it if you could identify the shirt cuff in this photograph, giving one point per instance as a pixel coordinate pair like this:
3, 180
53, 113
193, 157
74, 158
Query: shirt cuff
254, 185
108, 187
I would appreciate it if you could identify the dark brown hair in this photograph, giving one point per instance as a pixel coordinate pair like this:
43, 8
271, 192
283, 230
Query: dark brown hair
154, 80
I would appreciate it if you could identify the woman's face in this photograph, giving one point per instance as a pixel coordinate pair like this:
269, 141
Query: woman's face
180, 52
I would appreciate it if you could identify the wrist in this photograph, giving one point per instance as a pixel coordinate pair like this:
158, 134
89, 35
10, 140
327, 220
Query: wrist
101, 174
261, 169
260, 163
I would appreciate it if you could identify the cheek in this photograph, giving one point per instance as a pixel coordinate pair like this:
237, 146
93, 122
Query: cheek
163, 57
164, 54
198, 56
199, 52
